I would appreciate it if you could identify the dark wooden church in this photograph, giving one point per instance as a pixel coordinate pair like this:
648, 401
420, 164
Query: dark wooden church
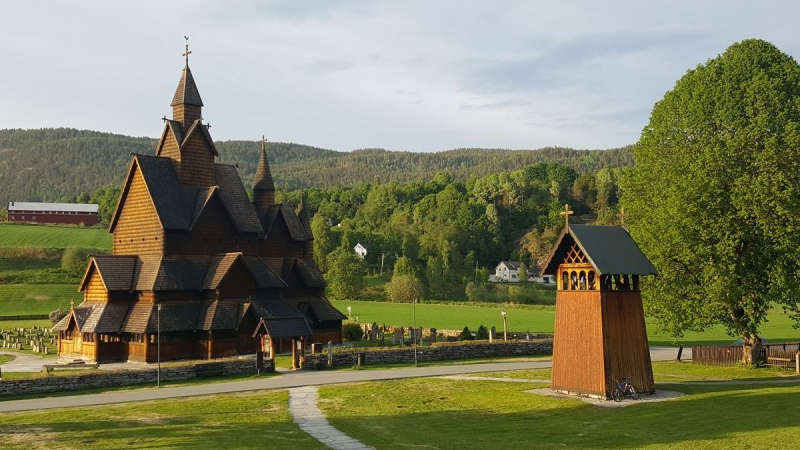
197, 263
600, 333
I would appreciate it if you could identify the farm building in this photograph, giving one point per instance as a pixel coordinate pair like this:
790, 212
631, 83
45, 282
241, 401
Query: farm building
197, 263
60, 213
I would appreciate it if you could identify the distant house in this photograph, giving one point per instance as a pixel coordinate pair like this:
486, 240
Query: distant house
360, 250
507, 271
65, 213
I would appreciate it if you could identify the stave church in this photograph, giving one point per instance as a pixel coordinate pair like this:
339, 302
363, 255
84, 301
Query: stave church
198, 270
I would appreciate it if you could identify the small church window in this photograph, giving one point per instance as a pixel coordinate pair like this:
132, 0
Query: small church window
592, 280
582, 281
573, 281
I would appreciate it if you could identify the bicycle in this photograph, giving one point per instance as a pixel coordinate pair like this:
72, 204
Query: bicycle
624, 389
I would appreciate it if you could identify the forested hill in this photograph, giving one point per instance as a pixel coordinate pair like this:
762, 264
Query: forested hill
54, 164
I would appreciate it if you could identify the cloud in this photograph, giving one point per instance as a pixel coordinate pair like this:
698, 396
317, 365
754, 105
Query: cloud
494, 105
329, 65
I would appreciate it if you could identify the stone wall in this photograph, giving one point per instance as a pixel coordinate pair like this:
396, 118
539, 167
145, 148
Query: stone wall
115, 378
435, 352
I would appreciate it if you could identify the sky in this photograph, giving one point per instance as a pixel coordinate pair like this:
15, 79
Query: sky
418, 76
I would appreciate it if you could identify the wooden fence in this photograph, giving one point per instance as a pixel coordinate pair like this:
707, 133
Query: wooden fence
732, 356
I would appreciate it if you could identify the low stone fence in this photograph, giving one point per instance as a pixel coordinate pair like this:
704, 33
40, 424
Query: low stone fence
435, 352
116, 378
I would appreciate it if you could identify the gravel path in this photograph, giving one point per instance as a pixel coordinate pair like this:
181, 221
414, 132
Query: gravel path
307, 416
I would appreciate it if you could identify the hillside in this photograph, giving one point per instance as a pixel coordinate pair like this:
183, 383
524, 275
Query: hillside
58, 163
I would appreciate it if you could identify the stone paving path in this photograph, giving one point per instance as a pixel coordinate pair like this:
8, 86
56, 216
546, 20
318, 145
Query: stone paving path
307, 416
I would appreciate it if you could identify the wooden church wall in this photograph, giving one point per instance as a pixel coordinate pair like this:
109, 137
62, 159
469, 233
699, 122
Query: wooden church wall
213, 234
138, 230
578, 343
625, 336
169, 149
238, 283
95, 289
279, 242
197, 161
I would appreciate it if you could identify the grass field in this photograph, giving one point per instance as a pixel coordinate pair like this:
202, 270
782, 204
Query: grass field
451, 414
745, 411
534, 319
46, 236
24, 299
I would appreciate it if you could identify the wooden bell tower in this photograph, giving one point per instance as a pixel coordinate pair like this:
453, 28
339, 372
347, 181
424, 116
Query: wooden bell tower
600, 334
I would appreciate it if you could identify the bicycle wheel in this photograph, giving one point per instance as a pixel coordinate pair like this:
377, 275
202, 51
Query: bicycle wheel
616, 394
634, 392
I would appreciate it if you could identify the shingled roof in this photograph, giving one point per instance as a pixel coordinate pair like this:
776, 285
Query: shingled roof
116, 271
235, 199
610, 249
187, 92
263, 179
320, 307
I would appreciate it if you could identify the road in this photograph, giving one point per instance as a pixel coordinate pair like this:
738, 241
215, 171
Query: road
288, 380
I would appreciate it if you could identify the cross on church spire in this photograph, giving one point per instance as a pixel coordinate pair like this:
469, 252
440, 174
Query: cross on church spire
566, 213
187, 52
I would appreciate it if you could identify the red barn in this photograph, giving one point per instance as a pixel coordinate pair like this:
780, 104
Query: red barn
65, 213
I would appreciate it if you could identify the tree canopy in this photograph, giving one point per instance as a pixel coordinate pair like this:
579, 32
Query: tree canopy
714, 195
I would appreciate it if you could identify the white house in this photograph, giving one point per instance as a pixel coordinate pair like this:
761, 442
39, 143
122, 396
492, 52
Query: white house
360, 250
508, 272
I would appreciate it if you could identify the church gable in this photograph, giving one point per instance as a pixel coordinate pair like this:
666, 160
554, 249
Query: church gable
136, 226
238, 282
197, 154
171, 138
213, 230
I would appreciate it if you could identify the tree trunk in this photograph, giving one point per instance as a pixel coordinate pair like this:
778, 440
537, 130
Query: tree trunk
751, 349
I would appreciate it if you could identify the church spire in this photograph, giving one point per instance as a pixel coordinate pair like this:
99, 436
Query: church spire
263, 186
186, 103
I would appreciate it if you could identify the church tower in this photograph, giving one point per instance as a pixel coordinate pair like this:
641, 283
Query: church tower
263, 186
185, 138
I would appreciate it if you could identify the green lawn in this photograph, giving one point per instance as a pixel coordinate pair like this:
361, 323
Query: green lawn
449, 414
534, 319
23, 299
243, 421
47, 236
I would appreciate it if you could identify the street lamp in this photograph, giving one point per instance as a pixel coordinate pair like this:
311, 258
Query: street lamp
349, 313
158, 347
505, 328
414, 302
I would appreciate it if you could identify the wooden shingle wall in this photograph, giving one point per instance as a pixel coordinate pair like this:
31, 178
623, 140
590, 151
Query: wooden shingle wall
578, 343
237, 283
213, 233
197, 161
279, 243
138, 230
625, 336
95, 289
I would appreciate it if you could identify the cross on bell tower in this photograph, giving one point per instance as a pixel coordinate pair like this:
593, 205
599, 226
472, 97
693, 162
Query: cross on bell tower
187, 52
622, 215
566, 213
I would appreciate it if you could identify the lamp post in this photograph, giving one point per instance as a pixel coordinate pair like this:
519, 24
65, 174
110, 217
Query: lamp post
158, 347
505, 328
414, 308
349, 313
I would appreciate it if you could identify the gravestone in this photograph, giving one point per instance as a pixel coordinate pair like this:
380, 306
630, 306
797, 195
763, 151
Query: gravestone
433, 335
374, 332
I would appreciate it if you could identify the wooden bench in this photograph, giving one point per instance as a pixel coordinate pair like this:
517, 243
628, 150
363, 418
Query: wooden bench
782, 361
47, 368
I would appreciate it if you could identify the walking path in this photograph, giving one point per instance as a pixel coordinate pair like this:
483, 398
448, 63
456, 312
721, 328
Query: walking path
307, 416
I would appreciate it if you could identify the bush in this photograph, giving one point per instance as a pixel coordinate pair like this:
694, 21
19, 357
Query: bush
352, 331
482, 334
75, 259
466, 335
57, 315
404, 288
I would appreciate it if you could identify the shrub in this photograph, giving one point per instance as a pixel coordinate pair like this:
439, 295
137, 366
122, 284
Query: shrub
404, 288
352, 331
75, 259
482, 334
466, 335
57, 315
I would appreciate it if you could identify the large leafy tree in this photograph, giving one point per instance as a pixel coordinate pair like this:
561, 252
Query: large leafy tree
714, 196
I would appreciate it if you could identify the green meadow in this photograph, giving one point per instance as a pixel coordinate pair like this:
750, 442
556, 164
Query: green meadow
45, 236
737, 410
535, 319
27, 299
